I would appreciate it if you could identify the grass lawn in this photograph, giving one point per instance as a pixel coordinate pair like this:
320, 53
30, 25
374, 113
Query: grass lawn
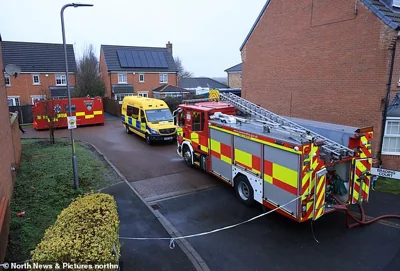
388, 185
44, 187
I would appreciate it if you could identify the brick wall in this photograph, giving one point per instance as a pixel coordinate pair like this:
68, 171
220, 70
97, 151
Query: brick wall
23, 87
318, 60
151, 80
105, 76
10, 146
234, 80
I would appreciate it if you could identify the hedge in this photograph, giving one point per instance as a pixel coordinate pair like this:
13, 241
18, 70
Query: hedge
86, 232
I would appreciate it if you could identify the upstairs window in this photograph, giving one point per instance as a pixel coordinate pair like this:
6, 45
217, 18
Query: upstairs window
7, 80
141, 77
61, 80
163, 77
122, 78
36, 79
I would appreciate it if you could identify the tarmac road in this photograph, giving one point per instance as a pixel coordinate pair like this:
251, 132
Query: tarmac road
193, 202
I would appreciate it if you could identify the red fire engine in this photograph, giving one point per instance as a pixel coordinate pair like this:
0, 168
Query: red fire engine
274, 160
88, 111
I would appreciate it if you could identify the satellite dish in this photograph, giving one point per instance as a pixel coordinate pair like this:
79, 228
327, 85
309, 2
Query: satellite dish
12, 70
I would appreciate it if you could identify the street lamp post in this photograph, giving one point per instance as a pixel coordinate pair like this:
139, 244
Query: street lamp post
74, 163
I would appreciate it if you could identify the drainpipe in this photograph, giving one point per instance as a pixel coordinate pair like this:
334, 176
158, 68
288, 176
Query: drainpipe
110, 85
389, 87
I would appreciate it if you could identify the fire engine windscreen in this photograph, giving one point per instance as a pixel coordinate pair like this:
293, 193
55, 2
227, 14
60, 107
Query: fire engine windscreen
157, 115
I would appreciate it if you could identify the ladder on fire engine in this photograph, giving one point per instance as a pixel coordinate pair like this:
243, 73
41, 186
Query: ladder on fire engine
336, 150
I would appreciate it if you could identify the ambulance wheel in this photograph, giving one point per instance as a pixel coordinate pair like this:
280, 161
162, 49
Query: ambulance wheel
244, 191
148, 140
127, 129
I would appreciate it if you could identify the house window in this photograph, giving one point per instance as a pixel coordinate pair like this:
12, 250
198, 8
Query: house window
37, 98
143, 94
7, 80
163, 77
36, 79
391, 140
120, 97
141, 77
61, 80
13, 100
122, 78
240, 75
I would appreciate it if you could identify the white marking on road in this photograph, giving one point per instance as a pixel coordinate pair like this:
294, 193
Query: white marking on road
160, 198
178, 159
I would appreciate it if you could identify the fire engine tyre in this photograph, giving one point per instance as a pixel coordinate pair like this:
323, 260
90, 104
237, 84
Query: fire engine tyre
187, 156
127, 129
244, 191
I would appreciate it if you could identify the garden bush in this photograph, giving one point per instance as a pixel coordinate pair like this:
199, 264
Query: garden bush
86, 232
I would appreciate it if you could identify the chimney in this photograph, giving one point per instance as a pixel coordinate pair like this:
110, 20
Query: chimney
169, 46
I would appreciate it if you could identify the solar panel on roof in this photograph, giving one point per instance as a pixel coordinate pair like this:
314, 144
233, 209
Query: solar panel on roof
136, 59
122, 59
157, 62
143, 59
150, 60
129, 59
162, 60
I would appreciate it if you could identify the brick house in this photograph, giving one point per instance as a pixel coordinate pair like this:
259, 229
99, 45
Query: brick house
10, 155
42, 70
132, 70
334, 61
235, 76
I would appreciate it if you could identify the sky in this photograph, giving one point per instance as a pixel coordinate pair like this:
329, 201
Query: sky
206, 35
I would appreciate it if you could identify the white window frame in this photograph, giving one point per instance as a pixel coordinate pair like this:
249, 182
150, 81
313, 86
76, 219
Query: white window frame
163, 77
6, 76
122, 76
37, 97
143, 94
33, 79
141, 75
119, 97
386, 135
61, 77
14, 98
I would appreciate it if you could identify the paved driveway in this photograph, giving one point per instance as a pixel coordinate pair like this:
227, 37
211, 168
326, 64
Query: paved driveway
194, 202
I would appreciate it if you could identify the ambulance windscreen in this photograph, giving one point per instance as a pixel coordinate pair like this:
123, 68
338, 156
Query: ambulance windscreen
158, 115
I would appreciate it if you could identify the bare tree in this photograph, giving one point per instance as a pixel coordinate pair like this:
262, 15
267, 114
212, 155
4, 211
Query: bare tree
52, 111
89, 82
182, 72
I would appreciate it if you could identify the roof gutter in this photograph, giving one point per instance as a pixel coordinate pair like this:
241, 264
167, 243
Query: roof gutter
387, 100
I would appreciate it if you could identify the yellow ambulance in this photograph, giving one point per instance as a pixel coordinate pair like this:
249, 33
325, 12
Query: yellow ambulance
149, 118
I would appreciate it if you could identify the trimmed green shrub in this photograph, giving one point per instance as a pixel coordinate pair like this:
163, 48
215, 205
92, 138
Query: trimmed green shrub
86, 232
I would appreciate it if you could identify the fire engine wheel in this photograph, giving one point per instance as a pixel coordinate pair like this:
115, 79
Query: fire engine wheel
127, 129
244, 191
187, 156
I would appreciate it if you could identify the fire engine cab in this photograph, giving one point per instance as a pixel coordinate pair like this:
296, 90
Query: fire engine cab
274, 160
